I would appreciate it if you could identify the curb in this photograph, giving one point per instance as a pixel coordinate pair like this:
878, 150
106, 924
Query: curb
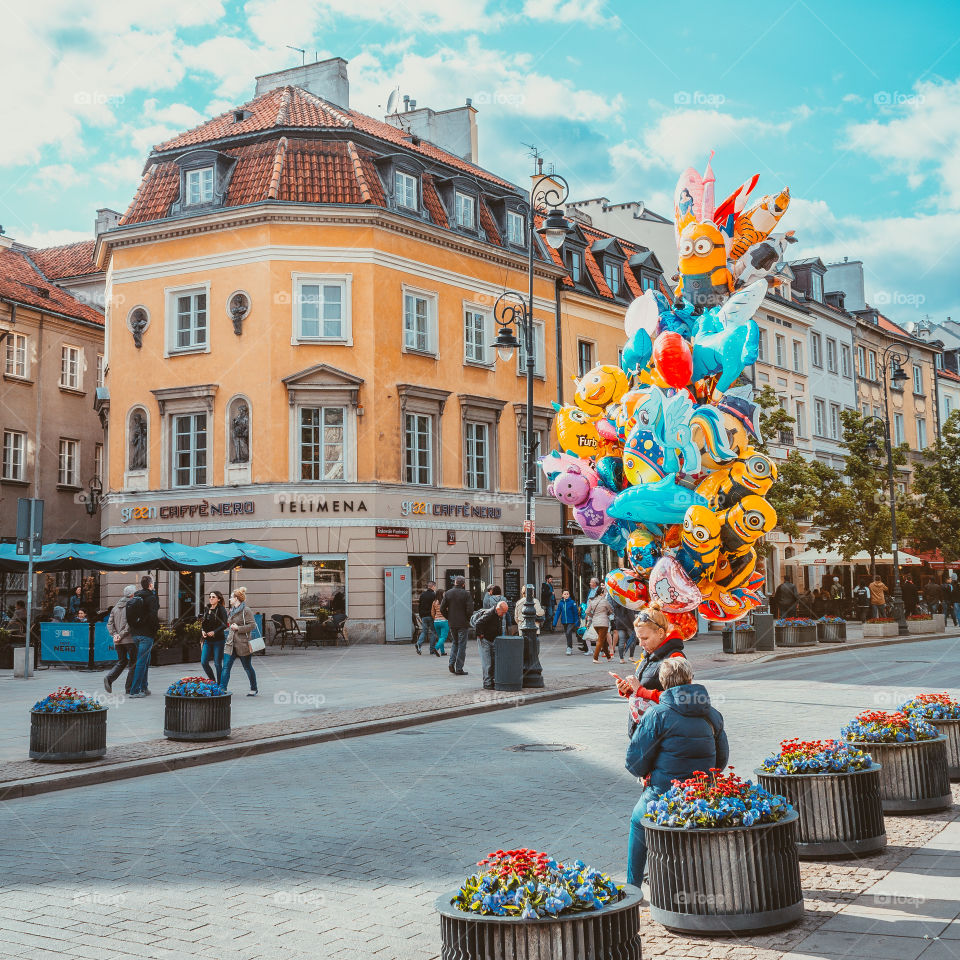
839, 647
220, 752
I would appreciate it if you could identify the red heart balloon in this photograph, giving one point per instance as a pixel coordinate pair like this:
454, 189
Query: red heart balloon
674, 361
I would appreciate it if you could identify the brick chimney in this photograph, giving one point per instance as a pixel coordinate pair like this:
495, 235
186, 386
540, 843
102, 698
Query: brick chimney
326, 79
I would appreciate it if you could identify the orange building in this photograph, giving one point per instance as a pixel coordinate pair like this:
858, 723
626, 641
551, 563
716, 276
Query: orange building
299, 320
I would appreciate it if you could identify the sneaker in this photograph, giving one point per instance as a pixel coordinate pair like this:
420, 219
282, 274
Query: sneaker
107, 685
622, 660
419, 651
460, 673
147, 693
254, 693
569, 651
136, 696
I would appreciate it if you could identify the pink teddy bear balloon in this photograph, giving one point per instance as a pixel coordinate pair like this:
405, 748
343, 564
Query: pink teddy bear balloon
577, 487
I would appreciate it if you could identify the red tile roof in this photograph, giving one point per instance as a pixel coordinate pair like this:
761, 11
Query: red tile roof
68, 260
21, 281
489, 225
431, 200
948, 375
290, 107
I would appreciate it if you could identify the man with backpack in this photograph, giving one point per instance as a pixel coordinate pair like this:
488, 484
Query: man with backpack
489, 625
457, 607
143, 619
119, 628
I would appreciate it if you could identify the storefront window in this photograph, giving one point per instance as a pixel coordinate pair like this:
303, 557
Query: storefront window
323, 583
421, 573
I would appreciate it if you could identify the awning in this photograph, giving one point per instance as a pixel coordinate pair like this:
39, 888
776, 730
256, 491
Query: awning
831, 558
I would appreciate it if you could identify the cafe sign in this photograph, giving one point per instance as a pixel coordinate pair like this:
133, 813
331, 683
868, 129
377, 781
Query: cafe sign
178, 511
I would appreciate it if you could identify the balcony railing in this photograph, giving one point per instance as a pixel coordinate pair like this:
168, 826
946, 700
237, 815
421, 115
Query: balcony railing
787, 438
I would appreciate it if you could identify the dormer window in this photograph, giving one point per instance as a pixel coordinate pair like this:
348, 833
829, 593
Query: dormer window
405, 190
466, 211
515, 228
647, 282
199, 186
612, 273
816, 286
575, 265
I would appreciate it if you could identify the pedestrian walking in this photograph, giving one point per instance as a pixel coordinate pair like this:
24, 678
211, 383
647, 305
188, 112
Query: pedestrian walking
568, 615
861, 600
425, 610
457, 607
143, 617
518, 612
548, 600
123, 642
955, 594
932, 595
660, 641
440, 625
786, 599
489, 625
878, 597
626, 636
679, 735
598, 617
910, 594
837, 598
947, 601
240, 624
594, 587
213, 629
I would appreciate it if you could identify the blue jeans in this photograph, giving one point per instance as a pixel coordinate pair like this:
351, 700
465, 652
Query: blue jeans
427, 633
247, 662
140, 671
458, 647
214, 649
956, 613
637, 845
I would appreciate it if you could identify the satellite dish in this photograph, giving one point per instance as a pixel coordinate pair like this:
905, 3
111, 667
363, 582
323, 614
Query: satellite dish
641, 208
392, 101
910, 327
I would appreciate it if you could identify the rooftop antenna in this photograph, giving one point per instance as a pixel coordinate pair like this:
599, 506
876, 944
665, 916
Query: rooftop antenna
301, 51
535, 153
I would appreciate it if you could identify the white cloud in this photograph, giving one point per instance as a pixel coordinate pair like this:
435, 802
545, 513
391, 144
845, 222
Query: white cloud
38, 237
57, 176
571, 11
922, 137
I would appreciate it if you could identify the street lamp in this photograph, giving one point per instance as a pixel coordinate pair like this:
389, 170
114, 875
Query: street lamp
93, 498
513, 313
898, 376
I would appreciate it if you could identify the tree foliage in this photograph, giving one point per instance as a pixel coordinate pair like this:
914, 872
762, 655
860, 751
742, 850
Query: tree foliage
934, 506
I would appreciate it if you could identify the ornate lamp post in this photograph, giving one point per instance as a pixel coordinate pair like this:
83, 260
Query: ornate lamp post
893, 361
94, 496
513, 313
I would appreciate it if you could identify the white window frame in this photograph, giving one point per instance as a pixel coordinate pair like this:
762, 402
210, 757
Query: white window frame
470, 473
898, 434
576, 256
462, 202
17, 360
71, 367
539, 352
100, 370
194, 466
762, 346
947, 405
819, 418
918, 379
835, 426
173, 294
342, 280
432, 300
801, 419
613, 270
403, 183
921, 433
797, 356
488, 354
515, 235
198, 185
871, 365
345, 443
98, 461
861, 361
593, 352
845, 359
816, 350
68, 463
816, 286
831, 355
416, 473
781, 345
11, 448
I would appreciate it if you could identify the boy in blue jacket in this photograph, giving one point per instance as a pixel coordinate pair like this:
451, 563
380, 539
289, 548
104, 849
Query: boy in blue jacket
567, 613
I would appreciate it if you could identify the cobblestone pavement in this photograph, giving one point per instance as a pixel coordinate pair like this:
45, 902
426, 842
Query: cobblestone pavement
339, 850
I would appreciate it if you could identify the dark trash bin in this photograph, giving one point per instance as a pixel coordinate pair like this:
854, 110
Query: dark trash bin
508, 663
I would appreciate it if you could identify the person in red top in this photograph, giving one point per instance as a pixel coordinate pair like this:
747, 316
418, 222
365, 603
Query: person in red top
659, 640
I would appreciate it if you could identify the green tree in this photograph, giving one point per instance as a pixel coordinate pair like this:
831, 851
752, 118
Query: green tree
934, 506
853, 514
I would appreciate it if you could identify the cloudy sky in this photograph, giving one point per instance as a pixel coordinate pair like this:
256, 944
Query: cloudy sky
854, 105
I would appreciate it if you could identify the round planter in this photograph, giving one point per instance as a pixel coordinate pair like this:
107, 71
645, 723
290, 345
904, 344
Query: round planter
880, 630
725, 881
595, 935
65, 737
840, 813
951, 730
920, 626
913, 776
796, 636
739, 640
197, 718
832, 632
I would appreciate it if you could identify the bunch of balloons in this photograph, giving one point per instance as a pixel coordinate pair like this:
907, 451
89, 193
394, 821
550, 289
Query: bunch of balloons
657, 454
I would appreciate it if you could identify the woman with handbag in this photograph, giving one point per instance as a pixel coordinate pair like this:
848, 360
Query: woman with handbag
598, 618
213, 629
240, 625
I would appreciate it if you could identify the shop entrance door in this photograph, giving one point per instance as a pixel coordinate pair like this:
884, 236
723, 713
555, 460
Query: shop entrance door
189, 587
481, 576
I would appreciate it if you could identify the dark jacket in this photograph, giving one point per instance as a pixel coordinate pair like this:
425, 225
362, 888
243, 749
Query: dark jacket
910, 595
73, 606
547, 595
932, 592
567, 612
648, 669
489, 624
215, 619
425, 604
457, 607
785, 598
149, 615
623, 618
681, 734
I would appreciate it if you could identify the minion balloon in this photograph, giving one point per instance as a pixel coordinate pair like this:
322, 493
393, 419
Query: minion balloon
753, 474
705, 280
699, 544
745, 523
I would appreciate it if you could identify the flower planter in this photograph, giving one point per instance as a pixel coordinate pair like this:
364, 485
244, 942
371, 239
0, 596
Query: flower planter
840, 813
951, 730
191, 652
831, 633
611, 932
741, 640
65, 737
920, 626
879, 630
164, 656
796, 636
914, 775
724, 881
197, 718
